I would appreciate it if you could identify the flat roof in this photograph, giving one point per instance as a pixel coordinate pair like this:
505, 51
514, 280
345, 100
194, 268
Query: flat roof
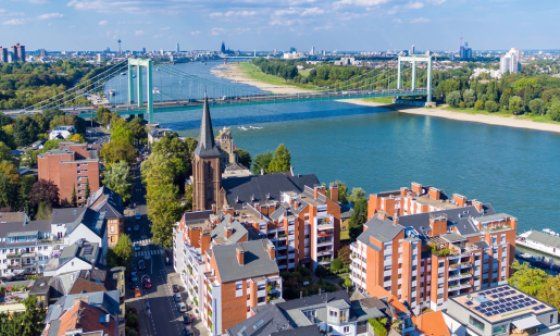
501, 303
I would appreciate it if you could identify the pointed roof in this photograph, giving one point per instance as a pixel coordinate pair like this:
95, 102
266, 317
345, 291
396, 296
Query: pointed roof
206, 146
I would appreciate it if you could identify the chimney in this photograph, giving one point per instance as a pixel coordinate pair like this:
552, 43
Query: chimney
271, 251
459, 200
205, 240
438, 224
404, 191
434, 194
315, 192
333, 190
416, 188
240, 255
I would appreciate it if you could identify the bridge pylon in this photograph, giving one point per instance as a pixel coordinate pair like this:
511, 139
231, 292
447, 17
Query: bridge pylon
413, 60
137, 64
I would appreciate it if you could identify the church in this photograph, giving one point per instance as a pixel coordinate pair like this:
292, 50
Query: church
221, 183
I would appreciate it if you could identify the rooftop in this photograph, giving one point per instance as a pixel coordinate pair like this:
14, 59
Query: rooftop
501, 303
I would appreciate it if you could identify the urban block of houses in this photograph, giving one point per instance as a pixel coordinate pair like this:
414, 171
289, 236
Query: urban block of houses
96, 313
423, 247
73, 168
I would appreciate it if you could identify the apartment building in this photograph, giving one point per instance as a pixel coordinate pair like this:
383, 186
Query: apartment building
73, 168
25, 245
424, 248
241, 277
304, 227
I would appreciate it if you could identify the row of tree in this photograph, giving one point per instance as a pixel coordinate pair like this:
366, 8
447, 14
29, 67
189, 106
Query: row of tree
27, 323
164, 174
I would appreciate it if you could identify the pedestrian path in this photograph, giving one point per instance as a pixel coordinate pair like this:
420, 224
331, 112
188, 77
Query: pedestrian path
147, 253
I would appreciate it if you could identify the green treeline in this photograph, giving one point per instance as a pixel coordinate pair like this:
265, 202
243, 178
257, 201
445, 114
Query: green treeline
24, 84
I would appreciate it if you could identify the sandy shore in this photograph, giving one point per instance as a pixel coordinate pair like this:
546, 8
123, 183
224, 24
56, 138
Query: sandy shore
233, 72
461, 116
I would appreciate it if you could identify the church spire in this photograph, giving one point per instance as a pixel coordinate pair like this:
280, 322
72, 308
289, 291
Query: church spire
206, 144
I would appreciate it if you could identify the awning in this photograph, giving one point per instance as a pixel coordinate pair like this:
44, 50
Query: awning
526, 322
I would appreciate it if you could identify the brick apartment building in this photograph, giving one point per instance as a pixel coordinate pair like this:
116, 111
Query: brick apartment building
423, 247
72, 168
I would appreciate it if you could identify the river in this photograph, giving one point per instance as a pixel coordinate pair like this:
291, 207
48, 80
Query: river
516, 170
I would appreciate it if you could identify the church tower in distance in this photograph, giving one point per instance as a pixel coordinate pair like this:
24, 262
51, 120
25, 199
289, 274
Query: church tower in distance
207, 171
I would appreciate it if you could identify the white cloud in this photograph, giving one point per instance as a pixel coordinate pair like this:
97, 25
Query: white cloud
361, 3
50, 16
232, 14
139, 32
415, 5
312, 11
216, 31
14, 22
103, 23
420, 20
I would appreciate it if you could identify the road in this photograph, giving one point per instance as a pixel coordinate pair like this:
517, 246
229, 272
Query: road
157, 311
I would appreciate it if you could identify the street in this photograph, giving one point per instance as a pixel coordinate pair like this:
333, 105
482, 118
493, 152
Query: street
157, 311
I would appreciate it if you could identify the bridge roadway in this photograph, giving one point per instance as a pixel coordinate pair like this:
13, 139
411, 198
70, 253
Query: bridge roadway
192, 104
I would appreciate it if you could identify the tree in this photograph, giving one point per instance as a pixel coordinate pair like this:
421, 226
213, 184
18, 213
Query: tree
117, 178
112, 152
536, 106
453, 98
554, 110
188, 197
123, 249
281, 160
359, 212
342, 191
104, 116
336, 265
491, 106
77, 138
9, 184
27, 323
261, 163
516, 105
479, 105
243, 157
26, 131
469, 97
527, 279
5, 152
44, 191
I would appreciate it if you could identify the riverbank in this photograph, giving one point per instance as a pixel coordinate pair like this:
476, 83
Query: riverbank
498, 120
245, 73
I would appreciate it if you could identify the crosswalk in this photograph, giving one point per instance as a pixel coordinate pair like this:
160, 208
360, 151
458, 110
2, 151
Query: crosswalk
143, 242
148, 253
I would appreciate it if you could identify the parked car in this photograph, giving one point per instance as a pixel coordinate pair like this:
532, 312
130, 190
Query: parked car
141, 264
138, 216
177, 297
182, 307
176, 288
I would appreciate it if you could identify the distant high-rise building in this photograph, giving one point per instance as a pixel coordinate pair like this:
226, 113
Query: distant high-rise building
178, 49
223, 48
119, 41
412, 50
143, 50
465, 52
511, 61
4, 55
18, 51
312, 52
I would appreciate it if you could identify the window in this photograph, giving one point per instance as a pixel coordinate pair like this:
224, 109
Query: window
476, 323
499, 330
346, 329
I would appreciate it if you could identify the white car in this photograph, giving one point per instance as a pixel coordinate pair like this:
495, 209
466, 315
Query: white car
177, 297
182, 307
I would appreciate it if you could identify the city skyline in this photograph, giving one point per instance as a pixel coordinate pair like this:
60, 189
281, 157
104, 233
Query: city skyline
267, 25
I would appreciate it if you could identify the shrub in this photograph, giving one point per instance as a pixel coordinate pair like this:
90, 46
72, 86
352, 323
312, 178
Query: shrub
453, 98
554, 110
479, 105
516, 105
491, 106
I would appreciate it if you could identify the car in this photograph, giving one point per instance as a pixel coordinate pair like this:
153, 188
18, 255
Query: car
182, 307
141, 264
146, 282
177, 297
137, 247
176, 288
138, 216
137, 292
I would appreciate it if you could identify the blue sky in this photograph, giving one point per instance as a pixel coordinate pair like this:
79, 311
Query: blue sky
280, 24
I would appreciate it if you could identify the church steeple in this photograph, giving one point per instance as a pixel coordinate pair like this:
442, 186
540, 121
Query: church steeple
207, 172
206, 144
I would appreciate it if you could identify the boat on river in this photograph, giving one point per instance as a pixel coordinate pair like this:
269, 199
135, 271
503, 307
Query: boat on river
546, 241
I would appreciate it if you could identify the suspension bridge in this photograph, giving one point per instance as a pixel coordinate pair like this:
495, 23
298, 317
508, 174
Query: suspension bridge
142, 97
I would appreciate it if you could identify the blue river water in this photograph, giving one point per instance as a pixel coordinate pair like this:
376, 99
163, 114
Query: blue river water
518, 171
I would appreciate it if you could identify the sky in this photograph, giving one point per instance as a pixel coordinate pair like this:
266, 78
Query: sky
280, 24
